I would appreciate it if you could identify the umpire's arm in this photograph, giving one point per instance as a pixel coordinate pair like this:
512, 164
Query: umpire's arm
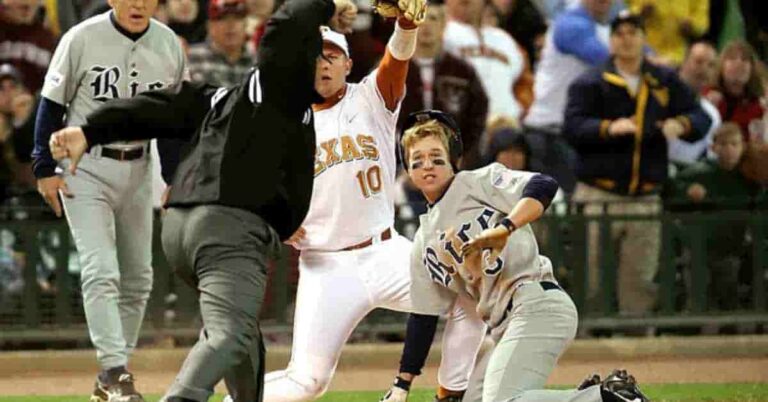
169, 113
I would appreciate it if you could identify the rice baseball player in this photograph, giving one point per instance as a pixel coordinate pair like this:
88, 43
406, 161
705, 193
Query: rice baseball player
117, 54
475, 241
352, 260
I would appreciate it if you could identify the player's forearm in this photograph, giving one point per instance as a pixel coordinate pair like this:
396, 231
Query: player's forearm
393, 68
536, 198
50, 118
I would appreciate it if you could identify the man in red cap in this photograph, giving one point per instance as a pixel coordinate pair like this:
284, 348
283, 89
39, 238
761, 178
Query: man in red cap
222, 60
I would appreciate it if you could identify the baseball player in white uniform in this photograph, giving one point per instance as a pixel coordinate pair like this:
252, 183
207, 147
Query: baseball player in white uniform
113, 55
475, 241
352, 260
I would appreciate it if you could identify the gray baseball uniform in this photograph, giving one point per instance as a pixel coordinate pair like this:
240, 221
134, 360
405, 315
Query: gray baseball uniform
110, 215
531, 319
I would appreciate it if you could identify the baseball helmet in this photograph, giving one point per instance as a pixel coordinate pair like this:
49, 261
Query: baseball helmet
454, 136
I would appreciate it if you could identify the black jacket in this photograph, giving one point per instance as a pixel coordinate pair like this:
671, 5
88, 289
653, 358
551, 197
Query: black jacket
250, 146
628, 165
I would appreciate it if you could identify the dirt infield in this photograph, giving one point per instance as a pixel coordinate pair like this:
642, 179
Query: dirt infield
371, 367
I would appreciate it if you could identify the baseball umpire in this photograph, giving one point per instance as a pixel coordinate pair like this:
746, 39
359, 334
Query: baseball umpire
243, 184
117, 54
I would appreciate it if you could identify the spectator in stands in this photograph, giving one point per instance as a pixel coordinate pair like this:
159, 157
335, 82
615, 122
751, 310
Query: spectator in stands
17, 108
438, 80
698, 71
24, 41
619, 118
738, 90
671, 25
64, 14
223, 59
576, 40
510, 148
522, 20
717, 186
499, 61
259, 12
185, 18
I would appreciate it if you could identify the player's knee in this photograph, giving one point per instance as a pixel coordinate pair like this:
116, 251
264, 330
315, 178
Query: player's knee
137, 287
102, 281
304, 386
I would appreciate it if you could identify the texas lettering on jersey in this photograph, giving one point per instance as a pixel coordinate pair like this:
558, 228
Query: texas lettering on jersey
345, 149
443, 260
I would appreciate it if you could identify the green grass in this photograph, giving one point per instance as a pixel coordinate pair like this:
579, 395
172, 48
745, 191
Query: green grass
657, 393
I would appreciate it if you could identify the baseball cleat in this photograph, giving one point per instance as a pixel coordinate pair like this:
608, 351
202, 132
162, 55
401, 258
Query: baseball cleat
620, 386
123, 390
395, 394
590, 381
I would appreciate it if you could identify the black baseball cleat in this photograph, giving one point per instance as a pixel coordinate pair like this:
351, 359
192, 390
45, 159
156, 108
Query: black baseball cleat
122, 390
590, 381
621, 387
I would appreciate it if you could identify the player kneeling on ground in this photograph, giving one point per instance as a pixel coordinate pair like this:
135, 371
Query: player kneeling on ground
475, 241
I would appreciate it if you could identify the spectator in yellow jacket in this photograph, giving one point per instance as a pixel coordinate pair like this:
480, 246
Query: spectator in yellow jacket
671, 25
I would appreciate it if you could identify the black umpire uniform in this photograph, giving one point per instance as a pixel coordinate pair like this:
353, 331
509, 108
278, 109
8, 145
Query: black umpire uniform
243, 184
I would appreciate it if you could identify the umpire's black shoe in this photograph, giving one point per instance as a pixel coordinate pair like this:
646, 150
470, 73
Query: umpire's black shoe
621, 387
120, 390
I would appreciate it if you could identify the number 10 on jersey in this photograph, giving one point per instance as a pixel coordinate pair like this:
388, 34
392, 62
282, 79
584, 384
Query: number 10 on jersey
369, 180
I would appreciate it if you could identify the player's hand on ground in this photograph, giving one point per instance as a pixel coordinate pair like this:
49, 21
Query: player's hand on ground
344, 17
492, 238
296, 237
49, 188
68, 143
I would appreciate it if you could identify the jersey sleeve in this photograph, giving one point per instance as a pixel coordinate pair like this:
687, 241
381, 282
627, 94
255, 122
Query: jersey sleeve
375, 100
61, 80
500, 187
427, 296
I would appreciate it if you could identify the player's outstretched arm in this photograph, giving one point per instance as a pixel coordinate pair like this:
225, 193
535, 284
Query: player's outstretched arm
536, 197
169, 113
393, 68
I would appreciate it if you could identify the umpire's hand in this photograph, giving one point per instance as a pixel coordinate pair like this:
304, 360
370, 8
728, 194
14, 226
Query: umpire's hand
68, 143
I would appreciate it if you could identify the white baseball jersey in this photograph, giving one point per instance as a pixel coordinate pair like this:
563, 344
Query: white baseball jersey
94, 63
475, 201
355, 167
496, 57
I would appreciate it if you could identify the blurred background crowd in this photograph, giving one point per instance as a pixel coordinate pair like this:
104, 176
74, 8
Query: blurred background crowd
634, 106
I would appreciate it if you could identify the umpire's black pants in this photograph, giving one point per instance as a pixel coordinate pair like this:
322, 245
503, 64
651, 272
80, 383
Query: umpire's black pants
222, 252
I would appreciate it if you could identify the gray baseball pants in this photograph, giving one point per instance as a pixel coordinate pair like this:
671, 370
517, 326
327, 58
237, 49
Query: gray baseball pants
542, 325
223, 253
110, 217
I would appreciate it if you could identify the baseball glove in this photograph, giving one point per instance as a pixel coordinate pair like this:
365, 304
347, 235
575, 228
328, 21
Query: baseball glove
413, 10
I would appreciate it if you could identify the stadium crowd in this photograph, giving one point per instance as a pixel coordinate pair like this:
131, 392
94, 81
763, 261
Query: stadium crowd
634, 106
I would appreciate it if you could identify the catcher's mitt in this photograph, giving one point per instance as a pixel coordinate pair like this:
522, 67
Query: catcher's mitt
413, 10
